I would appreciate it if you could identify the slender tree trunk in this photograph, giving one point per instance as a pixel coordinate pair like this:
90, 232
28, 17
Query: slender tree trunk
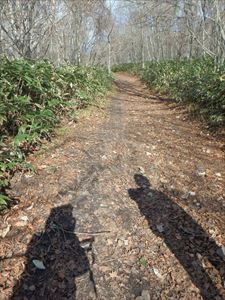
109, 54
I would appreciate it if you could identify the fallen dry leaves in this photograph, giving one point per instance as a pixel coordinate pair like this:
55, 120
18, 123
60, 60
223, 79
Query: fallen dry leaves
120, 249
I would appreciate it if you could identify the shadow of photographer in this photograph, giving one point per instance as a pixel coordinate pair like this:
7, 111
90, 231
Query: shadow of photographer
54, 259
185, 238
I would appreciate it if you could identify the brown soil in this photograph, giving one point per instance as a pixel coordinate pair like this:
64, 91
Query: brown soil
129, 205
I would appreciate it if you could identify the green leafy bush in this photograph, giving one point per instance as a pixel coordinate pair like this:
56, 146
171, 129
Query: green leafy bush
33, 97
198, 83
128, 67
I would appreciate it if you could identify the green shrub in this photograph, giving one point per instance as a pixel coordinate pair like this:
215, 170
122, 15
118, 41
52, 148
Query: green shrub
128, 67
33, 97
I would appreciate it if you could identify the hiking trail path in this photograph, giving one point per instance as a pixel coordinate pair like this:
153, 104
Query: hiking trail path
145, 187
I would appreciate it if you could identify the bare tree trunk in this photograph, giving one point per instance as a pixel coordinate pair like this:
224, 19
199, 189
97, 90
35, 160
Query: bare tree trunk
109, 55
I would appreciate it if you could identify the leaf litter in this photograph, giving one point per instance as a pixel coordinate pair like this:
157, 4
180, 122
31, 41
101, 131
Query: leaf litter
93, 169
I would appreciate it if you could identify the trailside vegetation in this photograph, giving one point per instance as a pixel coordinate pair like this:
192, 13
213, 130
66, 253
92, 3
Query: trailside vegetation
198, 82
33, 98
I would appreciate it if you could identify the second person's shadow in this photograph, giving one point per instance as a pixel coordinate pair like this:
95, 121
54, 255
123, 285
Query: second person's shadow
54, 259
185, 238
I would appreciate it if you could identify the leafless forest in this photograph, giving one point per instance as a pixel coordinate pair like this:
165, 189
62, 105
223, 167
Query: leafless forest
112, 118
89, 32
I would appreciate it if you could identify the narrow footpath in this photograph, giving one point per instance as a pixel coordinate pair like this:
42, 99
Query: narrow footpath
129, 205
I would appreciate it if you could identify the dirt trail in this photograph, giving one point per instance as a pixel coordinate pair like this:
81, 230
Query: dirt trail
129, 206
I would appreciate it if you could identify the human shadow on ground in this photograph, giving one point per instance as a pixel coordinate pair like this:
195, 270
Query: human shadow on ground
63, 258
185, 238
